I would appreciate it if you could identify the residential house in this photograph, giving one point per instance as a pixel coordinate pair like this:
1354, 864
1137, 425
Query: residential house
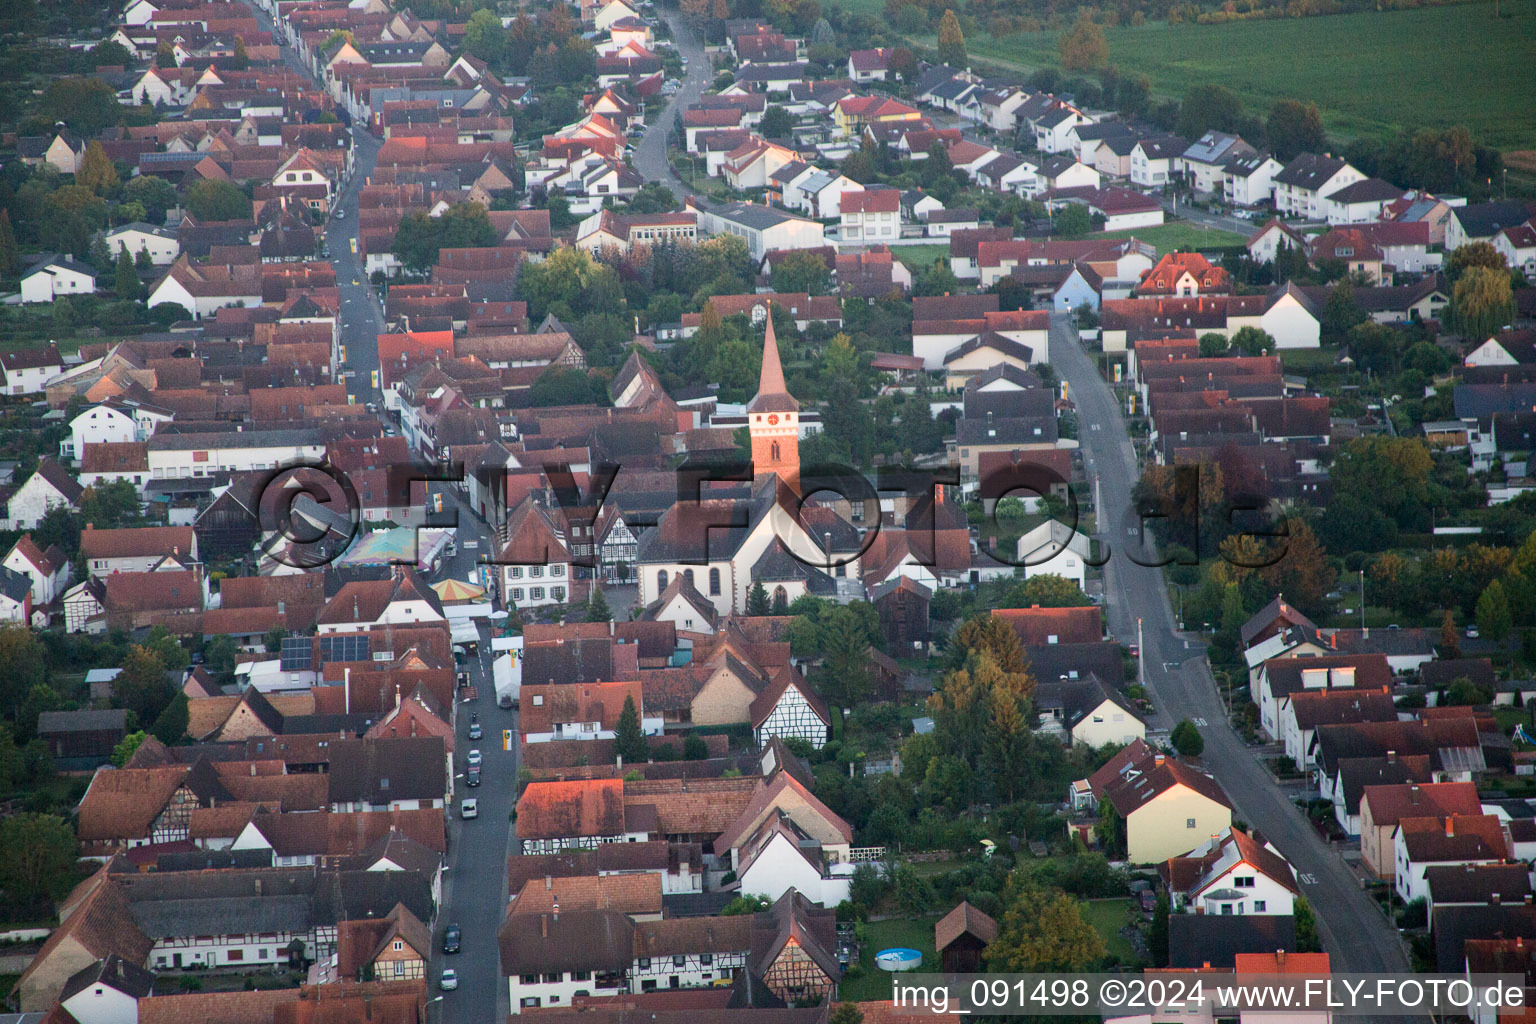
871, 216
27, 371
1168, 808
1301, 186
50, 487
1232, 874
1383, 808
1455, 840
56, 276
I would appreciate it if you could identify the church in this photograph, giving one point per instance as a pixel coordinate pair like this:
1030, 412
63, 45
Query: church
740, 533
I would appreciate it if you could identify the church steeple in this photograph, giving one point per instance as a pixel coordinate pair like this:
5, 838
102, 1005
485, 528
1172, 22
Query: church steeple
773, 417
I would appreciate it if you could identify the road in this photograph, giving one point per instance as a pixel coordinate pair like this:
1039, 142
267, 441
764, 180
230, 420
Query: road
1351, 927
651, 155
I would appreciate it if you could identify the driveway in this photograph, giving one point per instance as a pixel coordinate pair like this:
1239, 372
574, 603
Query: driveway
1352, 928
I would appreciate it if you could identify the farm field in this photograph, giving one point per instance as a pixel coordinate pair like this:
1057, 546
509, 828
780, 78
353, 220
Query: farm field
1369, 73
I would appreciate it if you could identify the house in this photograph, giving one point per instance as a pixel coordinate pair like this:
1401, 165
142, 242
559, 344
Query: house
902, 604
48, 570
581, 814
1352, 774
47, 489
388, 773
1053, 128
780, 857
27, 371
1155, 158
1053, 549
1204, 163
869, 65
1309, 666
56, 276
1269, 239
763, 227
790, 709
1383, 808
684, 607
624, 233
107, 992
1360, 202
535, 561
1087, 711
1455, 840
1301, 186
1506, 348
1200, 942
1481, 222
204, 289
752, 164
15, 597
870, 216
395, 947
82, 740
1231, 874
1518, 247
136, 237
137, 549
581, 711
1167, 807
1184, 274
1121, 208
1476, 885
961, 937
1304, 711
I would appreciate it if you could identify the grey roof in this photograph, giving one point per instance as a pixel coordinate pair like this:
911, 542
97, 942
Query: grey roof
1007, 430
754, 216
1367, 190
1481, 401
1309, 170
1216, 148
1198, 939
14, 585
1483, 220
387, 769
142, 226
1075, 661
113, 972
171, 918
1078, 698
62, 262
54, 722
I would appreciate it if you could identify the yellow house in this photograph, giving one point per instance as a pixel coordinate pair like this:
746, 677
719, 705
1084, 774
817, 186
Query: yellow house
852, 113
1168, 808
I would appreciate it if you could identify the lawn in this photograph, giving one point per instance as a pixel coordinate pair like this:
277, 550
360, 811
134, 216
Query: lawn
1370, 73
873, 983
920, 257
1107, 918
1180, 235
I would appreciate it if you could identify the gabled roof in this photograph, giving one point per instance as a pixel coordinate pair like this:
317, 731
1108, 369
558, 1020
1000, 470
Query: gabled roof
963, 920
787, 677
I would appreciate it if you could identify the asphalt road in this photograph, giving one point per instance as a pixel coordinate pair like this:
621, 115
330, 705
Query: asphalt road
651, 155
1351, 927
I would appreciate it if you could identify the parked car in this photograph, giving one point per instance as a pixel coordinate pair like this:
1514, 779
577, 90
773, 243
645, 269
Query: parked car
451, 937
474, 759
449, 981
504, 702
475, 732
1472, 633
469, 808
472, 777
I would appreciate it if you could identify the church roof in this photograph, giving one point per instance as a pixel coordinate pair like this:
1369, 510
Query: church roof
772, 393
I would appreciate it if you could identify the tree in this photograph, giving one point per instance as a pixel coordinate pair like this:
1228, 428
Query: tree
951, 41
154, 193
127, 281
1303, 572
142, 687
242, 59
1253, 341
903, 64
1048, 590
1071, 220
1294, 127
694, 747
171, 725
23, 665
597, 606
1083, 47
124, 751
1481, 302
1206, 107
483, 35
1110, 830
1474, 254
846, 1013
1213, 344
96, 171
757, 598
800, 271
1042, 931
211, 199
111, 504
628, 741
1307, 940
776, 123
10, 253
1493, 615
1341, 312
990, 635
750, 904
37, 859
844, 641
87, 105
1187, 739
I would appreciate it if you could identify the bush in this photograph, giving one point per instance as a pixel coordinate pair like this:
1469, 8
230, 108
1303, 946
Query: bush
1187, 739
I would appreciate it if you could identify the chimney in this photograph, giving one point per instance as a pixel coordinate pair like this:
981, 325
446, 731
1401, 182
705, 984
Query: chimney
1493, 898
258, 887
549, 882
253, 769
1413, 793
1391, 757
1450, 827
1157, 760
556, 906
1279, 958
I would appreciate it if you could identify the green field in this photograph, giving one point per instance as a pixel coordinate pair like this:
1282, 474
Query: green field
1369, 73
1107, 918
873, 983
920, 257
1180, 235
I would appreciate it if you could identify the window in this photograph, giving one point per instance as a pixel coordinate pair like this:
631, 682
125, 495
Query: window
398, 945
399, 968
557, 570
517, 593
688, 575
679, 961
661, 580
1259, 906
535, 593
538, 700
1243, 881
645, 963
580, 975
714, 583
1189, 823
236, 955
536, 571
557, 593
515, 572
552, 978
706, 959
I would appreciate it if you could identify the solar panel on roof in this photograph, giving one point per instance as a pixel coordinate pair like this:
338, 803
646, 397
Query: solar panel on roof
344, 648
297, 654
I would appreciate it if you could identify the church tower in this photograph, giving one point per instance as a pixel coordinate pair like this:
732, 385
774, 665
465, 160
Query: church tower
773, 418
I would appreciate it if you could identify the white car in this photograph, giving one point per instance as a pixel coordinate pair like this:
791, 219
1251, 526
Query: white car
469, 808
449, 981
474, 758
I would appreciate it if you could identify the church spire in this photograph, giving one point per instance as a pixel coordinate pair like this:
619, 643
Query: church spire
772, 393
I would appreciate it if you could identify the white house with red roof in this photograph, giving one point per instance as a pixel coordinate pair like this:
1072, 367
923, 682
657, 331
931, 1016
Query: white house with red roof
1232, 874
48, 570
1518, 247
871, 216
869, 65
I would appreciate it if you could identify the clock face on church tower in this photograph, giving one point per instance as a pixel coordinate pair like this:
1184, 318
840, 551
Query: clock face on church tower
773, 419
